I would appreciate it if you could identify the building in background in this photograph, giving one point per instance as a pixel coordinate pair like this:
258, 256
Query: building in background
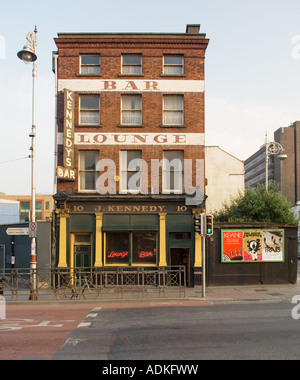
225, 177
129, 103
44, 206
285, 173
9, 211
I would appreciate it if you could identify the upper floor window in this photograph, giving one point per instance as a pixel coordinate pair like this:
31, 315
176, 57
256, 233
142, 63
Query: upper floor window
173, 65
131, 110
131, 64
89, 64
173, 174
173, 110
88, 173
89, 109
131, 171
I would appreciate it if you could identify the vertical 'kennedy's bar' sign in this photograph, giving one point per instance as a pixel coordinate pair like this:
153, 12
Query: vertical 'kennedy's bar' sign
69, 107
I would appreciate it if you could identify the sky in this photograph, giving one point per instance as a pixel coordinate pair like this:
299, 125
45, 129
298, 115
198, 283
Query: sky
252, 70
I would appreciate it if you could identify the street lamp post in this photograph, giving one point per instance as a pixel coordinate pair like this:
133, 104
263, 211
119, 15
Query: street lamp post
28, 55
273, 148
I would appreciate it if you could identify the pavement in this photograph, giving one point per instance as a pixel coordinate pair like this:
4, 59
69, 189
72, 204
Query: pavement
213, 295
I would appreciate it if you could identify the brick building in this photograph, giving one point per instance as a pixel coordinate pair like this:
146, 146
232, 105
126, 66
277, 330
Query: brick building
130, 148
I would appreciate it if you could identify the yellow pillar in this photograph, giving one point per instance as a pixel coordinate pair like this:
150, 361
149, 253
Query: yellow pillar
62, 255
198, 250
162, 240
98, 243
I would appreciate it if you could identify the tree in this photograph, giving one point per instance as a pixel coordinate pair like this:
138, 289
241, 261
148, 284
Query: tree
258, 205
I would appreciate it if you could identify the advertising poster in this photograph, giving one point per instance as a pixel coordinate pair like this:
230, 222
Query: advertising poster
249, 246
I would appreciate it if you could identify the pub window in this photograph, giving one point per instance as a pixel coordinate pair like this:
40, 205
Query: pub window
173, 110
88, 174
131, 248
131, 110
173, 165
131, 170
89, 109
117, 248
173, 64
89, 64
131, 64
144, 247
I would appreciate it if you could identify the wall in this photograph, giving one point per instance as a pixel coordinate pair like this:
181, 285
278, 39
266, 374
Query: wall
225, 177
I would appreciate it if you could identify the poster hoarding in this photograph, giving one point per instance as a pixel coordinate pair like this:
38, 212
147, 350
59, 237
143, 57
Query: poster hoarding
249, 246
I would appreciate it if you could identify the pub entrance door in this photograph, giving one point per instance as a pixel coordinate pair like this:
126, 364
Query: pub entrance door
181, 256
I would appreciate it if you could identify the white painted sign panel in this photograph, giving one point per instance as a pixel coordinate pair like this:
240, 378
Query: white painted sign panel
123, 85
171, 139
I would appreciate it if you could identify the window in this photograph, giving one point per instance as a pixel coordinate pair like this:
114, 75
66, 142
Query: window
131, 171
131, 64
89, 109
87, 170
89, 64
126, 248
173, 106
131, 110
25, 211
173, 65
173, 164
117, 248
144, 247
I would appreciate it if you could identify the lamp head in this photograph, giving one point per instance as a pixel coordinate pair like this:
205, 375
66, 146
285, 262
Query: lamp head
27, 55
282, 157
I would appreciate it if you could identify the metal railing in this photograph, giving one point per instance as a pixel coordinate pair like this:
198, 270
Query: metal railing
95, 283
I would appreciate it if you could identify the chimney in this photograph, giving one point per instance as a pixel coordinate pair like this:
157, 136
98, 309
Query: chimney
193, 28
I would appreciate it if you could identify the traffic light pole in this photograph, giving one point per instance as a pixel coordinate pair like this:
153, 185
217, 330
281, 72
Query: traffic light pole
203, 267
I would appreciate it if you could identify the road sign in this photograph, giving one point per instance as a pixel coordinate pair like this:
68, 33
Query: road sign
32, 229
17, 231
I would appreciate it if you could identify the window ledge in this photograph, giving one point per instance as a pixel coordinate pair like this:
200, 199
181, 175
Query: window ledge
89, 75
130, 75
88, 125
173, 75
172, 126
131, 125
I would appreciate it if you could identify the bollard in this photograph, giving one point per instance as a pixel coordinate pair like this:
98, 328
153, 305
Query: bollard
2, 308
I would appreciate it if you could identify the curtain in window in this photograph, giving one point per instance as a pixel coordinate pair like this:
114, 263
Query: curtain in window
173, 171
173, 110
132, 109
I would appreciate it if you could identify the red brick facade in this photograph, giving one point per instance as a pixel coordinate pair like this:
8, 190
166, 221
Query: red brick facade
152, 48
129, 92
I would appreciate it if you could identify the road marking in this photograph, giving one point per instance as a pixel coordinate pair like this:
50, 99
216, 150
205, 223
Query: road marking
19, 324
84, 324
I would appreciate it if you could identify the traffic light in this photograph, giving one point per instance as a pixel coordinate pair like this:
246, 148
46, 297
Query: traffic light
209, 225
199, 221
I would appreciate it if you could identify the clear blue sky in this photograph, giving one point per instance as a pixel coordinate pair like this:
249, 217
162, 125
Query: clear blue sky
252, 70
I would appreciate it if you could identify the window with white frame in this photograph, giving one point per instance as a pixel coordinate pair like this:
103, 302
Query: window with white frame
131, 110
173, 64
131, 171
90, 64
88, 173
131, 64
89, 106
173, 174
173, 110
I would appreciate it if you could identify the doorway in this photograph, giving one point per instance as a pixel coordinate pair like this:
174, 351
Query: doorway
181, 256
